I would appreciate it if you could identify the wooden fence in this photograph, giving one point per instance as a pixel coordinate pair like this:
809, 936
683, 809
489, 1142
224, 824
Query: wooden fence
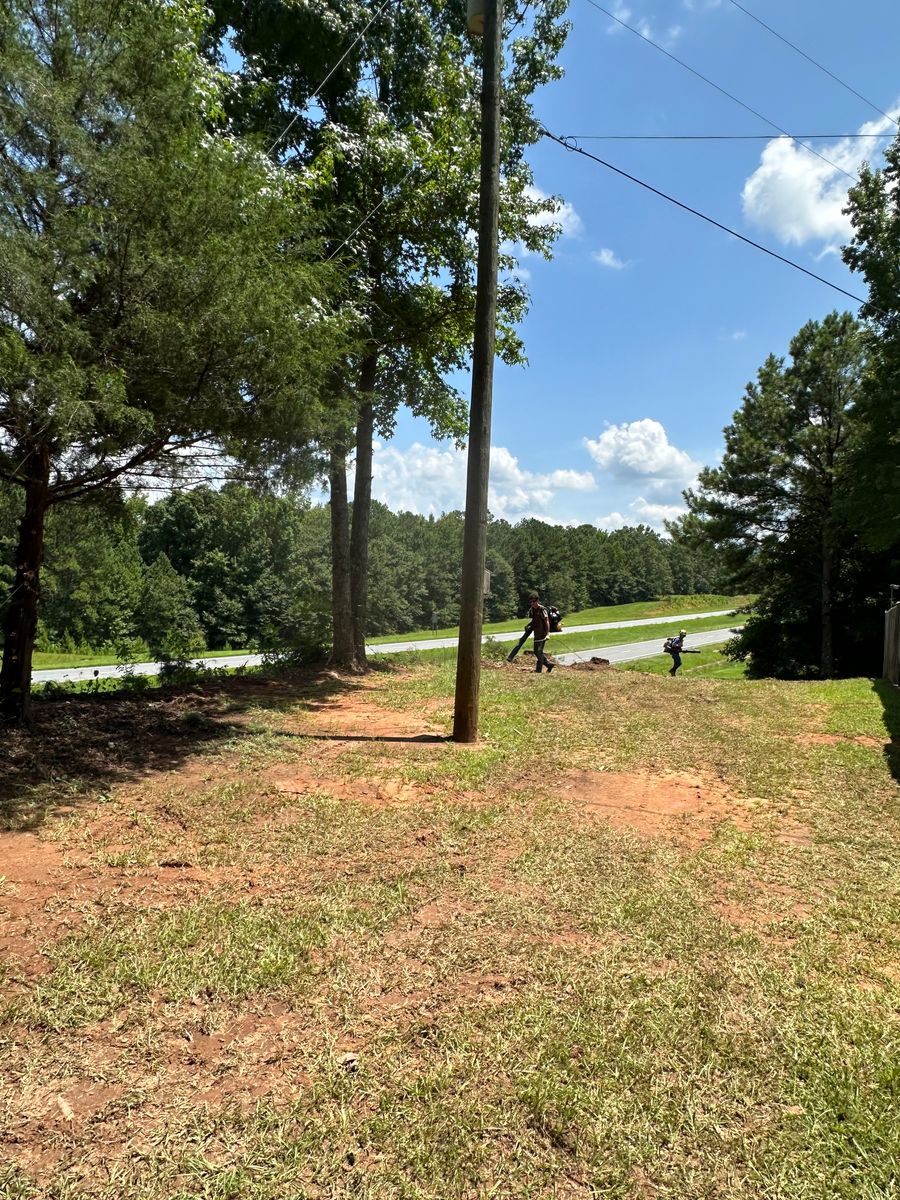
892, 644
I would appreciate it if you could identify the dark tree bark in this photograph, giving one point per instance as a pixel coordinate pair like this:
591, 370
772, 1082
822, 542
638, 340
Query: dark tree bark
827, 658
342, 654
20, 619
362, 507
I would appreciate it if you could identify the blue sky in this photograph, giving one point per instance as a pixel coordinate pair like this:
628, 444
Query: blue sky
648, 323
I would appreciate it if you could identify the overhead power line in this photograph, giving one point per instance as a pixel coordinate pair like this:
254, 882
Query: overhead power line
312, 95
574, 149
705, 78
719, 137
810, 59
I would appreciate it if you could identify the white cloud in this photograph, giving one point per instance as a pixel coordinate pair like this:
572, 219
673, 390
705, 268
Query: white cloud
607, 258
641, 512
430, 479
562, 213
611, 521
642, 450
799, 197
623, 13
655, 514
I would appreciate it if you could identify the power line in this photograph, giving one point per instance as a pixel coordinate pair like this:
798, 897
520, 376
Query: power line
569, 145
720, 137
371, 213
315, 93
650, 42
810, 59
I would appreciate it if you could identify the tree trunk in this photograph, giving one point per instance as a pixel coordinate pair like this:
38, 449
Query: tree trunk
827, 662
20, 620
362, 507
341, 605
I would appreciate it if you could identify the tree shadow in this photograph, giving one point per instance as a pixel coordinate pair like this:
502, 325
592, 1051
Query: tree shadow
889, 695
418, 738
85, 743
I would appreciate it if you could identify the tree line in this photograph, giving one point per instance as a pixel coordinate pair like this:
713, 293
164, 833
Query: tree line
209, 569
805, 507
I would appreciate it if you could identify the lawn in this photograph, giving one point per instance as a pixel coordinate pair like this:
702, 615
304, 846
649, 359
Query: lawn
708, 663
277, 940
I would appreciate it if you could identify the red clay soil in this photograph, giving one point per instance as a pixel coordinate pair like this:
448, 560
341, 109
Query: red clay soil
684, 808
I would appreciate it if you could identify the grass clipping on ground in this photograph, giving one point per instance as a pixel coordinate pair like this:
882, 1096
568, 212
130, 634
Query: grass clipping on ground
283, 940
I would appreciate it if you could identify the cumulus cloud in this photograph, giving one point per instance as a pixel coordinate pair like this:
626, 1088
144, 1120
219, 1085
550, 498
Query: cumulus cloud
641, 450
563, 214
799, 197
608, 258
656, 514
612, 521
431, 479
641, 512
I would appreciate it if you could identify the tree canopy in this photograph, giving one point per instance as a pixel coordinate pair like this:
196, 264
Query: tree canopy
158, 294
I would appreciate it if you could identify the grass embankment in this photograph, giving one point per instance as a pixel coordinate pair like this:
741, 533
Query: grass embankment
664, 608
709, 663
323, 952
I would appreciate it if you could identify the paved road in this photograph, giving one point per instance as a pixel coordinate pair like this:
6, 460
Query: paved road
634, 650
613, 653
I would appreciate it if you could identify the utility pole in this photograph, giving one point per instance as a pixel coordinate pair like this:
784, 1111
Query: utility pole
468, 661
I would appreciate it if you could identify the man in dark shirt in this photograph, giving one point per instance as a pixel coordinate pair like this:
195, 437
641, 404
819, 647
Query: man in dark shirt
540, 626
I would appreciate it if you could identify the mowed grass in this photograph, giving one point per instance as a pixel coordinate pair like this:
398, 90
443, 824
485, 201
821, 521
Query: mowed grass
708, 663
325, 959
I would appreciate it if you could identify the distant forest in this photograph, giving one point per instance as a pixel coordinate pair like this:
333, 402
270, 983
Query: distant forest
209, 569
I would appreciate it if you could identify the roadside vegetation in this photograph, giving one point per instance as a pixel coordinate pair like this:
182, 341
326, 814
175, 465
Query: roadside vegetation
272, 938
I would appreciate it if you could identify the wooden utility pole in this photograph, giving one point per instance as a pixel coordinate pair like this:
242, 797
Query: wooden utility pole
468, 662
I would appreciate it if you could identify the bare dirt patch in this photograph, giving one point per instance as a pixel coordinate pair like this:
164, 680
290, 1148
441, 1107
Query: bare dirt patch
684, 808
678, 806
837, 739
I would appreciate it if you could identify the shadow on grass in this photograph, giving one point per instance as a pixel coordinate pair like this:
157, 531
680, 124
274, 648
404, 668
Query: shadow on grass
890, 699
367, 737
82, 744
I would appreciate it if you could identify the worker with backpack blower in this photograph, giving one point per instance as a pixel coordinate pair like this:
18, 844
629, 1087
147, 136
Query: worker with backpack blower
675, 647
554, 618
